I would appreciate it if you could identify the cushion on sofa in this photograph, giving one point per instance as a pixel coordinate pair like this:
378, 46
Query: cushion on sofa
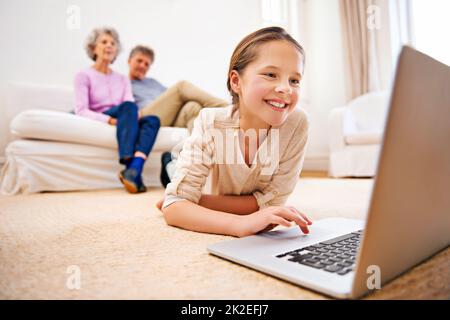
364, 118
26, 96
68, 127
369, 111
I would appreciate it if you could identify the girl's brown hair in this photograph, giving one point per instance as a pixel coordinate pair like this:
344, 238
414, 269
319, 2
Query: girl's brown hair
246, 52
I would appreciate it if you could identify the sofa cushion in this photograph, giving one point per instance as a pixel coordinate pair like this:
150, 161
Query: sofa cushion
68, 127
27, 96
369, 111
364, 119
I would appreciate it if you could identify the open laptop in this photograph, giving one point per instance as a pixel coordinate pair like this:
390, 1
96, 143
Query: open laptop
409, 213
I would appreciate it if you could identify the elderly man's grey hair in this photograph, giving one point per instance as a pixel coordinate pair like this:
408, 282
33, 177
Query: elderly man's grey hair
92, 40
144, 50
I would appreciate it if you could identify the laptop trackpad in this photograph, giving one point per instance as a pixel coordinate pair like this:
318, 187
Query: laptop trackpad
296, 235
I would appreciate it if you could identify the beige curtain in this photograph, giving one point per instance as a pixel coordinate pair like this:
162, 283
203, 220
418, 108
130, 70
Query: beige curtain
365, 29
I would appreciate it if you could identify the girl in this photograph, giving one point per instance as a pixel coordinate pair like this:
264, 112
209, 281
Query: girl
229, 145
104, 95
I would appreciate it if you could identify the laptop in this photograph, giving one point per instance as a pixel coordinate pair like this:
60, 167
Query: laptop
408, 218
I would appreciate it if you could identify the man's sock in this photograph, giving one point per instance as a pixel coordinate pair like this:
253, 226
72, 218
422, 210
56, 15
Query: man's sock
137, 163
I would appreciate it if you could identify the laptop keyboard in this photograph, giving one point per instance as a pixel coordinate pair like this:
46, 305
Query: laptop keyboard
336, 255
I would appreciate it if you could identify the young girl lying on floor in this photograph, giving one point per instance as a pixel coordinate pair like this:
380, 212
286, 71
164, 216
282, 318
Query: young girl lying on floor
253, 150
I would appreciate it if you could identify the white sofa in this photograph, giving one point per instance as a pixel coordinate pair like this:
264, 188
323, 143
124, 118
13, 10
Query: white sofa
54, 150
355, 134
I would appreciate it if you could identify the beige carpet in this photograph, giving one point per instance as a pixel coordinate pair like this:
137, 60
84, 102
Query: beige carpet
124, 249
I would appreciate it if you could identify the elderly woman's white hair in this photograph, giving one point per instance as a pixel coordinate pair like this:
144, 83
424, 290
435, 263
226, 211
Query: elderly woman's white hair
92, 40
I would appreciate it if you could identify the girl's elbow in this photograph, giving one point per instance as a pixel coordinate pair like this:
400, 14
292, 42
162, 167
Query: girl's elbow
175, 214
167, 215
170, 214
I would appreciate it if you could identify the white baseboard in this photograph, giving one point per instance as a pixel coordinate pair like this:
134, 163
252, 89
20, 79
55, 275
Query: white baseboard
316, 164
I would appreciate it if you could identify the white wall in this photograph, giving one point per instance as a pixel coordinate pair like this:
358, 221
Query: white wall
193, 40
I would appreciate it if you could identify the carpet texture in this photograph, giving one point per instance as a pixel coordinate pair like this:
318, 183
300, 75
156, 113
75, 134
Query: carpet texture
123, 249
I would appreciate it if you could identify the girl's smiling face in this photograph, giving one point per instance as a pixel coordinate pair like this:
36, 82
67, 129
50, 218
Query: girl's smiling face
268, 87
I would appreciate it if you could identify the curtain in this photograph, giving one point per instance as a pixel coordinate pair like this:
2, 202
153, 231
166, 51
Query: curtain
368, 43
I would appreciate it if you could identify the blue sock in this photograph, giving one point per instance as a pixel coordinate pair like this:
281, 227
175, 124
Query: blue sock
137, 164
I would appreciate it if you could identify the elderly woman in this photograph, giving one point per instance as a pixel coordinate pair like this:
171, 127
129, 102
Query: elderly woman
104, 95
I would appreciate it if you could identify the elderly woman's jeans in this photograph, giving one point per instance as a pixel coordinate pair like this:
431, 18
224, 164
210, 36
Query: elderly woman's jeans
133, 134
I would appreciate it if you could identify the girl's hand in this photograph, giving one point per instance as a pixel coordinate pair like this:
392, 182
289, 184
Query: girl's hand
112, 121
268, 218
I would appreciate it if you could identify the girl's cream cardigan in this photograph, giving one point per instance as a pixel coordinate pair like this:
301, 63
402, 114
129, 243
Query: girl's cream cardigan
213, 150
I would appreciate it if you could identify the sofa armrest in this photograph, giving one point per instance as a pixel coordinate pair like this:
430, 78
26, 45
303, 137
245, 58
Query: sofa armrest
336, 129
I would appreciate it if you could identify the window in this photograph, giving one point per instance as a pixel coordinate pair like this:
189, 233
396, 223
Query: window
282, 13
274, 12
431, 27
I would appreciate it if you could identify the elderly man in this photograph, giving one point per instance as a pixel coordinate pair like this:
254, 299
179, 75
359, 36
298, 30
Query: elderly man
176, 106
